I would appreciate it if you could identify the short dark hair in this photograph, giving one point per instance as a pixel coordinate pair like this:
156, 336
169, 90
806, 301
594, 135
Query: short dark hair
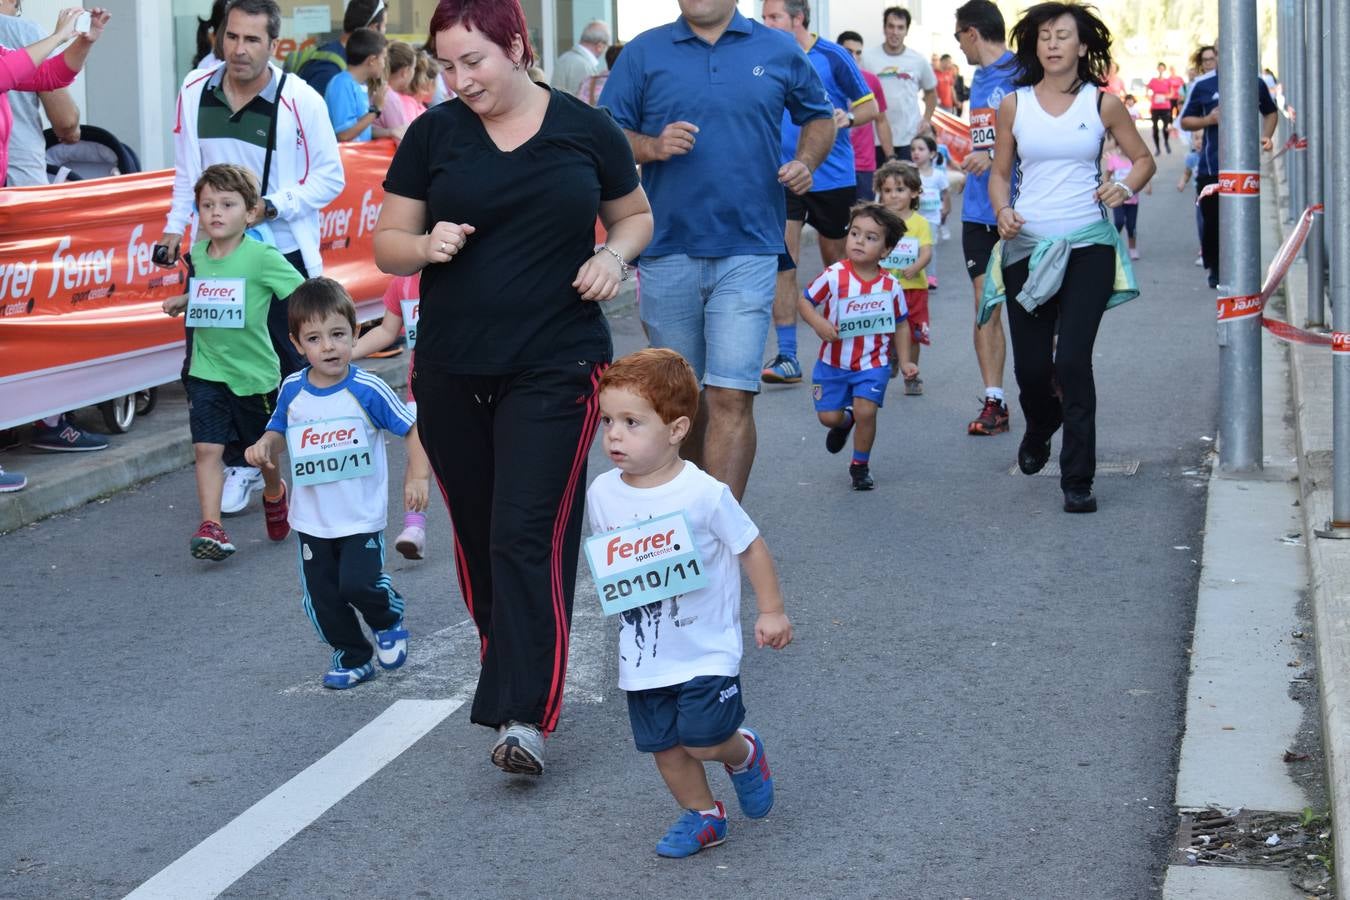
890, 222
944, 56
849, 36
318, 298
1092, 33
363, 14
267, 8
229, 177
363, 44
899, 12
985, 18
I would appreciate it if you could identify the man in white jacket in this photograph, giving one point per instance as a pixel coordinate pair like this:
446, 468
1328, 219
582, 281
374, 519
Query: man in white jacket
225, 115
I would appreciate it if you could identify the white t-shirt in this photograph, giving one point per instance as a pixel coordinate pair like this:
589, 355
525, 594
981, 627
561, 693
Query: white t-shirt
344, 420
930, 201
693, 634
904, 77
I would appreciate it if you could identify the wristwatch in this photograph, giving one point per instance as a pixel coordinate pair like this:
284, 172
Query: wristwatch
374, 110
851, 117
269, 210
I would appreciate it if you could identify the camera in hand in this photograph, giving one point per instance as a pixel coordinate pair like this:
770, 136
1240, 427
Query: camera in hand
161, 255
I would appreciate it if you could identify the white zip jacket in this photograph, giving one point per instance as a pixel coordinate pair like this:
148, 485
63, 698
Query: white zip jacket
305, 164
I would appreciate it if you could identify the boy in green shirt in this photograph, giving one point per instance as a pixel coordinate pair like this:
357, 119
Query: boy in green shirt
232, 381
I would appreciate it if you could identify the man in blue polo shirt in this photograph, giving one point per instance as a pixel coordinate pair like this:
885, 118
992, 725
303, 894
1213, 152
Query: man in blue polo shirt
702, 100
835, 188
1202, 113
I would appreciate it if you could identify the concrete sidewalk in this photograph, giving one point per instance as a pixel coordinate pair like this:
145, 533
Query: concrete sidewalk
1328, 560
156, 444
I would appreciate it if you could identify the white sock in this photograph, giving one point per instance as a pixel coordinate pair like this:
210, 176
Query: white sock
52, 421
994, 393
749, 756
714, 812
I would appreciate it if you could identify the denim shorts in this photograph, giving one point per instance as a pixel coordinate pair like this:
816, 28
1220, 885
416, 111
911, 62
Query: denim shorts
713, 311
701, 712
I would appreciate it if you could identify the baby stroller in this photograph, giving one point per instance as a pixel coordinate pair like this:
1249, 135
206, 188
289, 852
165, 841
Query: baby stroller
97, 154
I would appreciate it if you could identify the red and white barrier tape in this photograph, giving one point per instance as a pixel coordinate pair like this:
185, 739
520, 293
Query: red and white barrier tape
1294, 143
1231, 309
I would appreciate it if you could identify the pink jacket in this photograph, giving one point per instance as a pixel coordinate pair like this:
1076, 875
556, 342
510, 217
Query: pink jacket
17, 73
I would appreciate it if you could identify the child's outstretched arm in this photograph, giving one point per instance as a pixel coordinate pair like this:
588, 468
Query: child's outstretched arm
417, 477
380, 336
821, 325
264, 454
772, 627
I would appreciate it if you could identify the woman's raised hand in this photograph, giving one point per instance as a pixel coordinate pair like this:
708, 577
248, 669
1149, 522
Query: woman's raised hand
444, 241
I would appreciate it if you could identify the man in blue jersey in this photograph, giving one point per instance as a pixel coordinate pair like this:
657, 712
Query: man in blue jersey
835, 189
1201, 113
983, 38
701, 101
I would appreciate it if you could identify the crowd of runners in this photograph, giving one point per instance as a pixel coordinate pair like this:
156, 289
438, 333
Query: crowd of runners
710, 143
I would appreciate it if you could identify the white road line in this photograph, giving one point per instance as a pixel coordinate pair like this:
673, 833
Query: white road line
208, 869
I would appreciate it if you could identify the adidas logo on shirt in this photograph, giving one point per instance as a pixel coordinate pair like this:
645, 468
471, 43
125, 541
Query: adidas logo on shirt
1082, 126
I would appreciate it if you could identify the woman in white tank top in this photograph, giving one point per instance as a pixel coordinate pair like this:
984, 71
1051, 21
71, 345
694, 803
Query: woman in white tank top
1049, 135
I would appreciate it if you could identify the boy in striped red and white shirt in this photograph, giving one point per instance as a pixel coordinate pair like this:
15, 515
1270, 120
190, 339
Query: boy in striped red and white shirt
858, 310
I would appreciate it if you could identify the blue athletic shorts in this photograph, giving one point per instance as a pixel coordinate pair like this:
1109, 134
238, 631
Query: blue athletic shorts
701, 712
216, 415
833, 388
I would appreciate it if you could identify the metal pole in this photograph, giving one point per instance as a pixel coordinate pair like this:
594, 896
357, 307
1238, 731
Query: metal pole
1240, 446
1283, 39
1296, 96
1314, 128
1339, 240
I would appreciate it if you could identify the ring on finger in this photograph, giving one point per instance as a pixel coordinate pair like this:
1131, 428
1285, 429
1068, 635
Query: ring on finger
443, 246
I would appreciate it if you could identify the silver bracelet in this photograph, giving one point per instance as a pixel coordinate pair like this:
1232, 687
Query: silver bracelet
624, 268
1128, 193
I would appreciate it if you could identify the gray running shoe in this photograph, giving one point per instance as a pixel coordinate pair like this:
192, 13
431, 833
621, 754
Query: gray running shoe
519, 749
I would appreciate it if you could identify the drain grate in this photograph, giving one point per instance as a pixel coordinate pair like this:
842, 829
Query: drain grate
1126, 468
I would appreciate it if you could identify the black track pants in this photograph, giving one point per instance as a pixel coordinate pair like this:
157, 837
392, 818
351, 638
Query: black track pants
342, 577
1040, 362
509, 452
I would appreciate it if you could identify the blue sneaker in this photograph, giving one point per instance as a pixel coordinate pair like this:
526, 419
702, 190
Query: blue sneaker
11, 481
391, 645
692, 832
781, 370
65, 438
754, 786
339, 679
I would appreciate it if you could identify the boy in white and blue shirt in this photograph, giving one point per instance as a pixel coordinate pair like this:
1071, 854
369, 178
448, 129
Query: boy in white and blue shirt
328, 417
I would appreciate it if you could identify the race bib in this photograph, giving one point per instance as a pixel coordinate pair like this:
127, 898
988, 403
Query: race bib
411, 311
329, 450
866, 315
215, 303
929, 202
645, 563
903, 255
982, 128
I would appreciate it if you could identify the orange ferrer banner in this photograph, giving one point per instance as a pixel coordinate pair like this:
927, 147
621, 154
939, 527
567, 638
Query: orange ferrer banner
78, 289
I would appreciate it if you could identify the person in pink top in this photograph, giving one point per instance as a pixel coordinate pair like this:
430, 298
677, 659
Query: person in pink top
29, 69
400, 106
1161, 90
863, 137
402, 303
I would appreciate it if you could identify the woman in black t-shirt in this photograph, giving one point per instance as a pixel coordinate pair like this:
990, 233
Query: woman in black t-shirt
493, 198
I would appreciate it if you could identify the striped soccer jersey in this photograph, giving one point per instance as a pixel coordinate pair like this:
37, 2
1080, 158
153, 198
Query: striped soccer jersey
830, 293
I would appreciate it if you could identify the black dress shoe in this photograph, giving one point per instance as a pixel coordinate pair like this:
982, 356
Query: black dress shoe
1032, 455
1081, 501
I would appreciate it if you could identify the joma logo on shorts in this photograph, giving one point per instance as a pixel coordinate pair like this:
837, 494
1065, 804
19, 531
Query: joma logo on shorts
727, 694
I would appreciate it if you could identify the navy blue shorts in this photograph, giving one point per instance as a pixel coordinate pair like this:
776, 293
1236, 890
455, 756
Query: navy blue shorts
216, 415
701, 712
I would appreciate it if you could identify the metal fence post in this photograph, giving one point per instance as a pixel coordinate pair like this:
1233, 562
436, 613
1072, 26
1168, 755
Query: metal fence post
1314, 128
1284, 20
1240, 447
1339, 241
1295, 96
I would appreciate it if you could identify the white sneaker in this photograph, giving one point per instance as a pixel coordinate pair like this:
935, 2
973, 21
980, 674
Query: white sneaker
412, 542
946, 233
240, 483
1134, 253
1199, 262
519, 749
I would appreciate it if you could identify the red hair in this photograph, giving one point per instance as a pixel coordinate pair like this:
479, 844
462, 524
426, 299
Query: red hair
499, 20
662, 377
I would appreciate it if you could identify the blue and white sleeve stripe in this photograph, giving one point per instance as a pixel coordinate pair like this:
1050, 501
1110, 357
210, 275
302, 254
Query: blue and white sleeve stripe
381, 403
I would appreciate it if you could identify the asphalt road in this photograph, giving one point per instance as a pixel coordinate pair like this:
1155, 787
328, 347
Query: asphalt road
984, 699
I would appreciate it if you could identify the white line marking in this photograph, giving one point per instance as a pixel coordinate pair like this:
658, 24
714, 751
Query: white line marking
208, 869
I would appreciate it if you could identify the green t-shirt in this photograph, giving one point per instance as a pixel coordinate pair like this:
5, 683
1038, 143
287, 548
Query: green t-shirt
242, 358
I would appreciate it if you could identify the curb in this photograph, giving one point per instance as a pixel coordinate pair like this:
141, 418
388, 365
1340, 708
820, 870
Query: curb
72, 480
1328, 560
